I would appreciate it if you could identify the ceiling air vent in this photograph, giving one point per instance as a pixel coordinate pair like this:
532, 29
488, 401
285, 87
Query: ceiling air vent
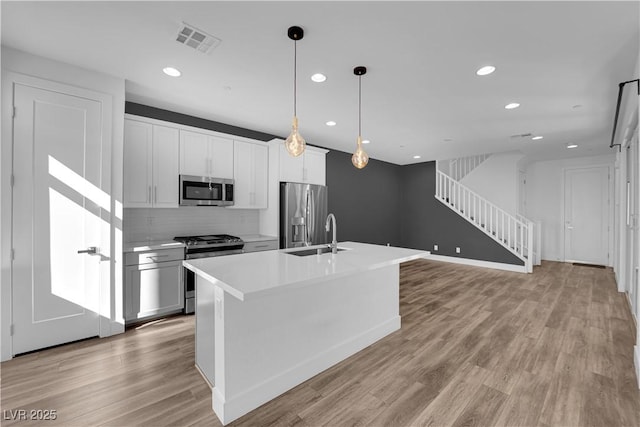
197, 39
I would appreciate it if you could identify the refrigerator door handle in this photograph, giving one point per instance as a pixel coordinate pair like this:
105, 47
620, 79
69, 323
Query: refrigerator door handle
306, 218
312, 219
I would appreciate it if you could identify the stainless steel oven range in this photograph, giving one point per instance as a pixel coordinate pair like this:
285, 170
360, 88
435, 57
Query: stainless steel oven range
203, 247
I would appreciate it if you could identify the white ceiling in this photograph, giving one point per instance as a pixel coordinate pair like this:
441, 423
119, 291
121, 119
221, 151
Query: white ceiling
420, 88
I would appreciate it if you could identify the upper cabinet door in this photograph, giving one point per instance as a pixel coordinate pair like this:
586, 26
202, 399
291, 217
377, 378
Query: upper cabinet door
261, 176
137, 164
314, 167
221, 152
251, 166
291, 168
166, 153
194, 154
308, 168
243, 174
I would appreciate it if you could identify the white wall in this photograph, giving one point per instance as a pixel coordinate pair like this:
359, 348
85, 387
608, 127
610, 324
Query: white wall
142, 224
496, 179
14, 61
545, 198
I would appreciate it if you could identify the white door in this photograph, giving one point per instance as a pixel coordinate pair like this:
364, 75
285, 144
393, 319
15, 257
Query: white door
522, 193
56, 202
586, 214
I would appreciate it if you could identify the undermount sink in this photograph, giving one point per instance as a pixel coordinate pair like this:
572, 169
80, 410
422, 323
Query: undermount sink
314, 251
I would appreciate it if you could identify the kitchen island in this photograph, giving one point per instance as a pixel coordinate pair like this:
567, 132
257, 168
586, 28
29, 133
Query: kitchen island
268, 321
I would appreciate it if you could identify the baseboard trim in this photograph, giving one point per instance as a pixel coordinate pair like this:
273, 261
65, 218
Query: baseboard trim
234, 407
636, 351
478, 263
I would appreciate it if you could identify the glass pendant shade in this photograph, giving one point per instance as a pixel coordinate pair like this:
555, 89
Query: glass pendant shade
359, 158
295, 143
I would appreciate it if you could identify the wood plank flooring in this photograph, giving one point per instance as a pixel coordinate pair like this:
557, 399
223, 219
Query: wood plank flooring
477, 347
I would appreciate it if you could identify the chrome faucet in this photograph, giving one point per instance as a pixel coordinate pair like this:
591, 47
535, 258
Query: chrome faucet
334, 243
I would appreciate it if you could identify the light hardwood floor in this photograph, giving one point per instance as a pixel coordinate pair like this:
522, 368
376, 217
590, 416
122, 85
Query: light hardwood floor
477, 347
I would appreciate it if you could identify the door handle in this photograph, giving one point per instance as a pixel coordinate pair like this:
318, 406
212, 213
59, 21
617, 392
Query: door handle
91, 250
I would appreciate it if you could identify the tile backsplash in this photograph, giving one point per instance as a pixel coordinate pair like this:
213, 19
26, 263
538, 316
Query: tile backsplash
151, 224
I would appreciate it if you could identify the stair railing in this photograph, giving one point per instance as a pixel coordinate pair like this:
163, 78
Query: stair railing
460, 167
506, 229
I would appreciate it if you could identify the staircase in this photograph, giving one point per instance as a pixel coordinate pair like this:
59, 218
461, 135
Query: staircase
515, 233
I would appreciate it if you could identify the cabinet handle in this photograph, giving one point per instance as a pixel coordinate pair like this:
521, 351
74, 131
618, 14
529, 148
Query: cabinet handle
149, 195
261, 246
155, 194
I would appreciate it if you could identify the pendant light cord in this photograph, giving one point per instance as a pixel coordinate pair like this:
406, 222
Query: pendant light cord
295, 75
359, 105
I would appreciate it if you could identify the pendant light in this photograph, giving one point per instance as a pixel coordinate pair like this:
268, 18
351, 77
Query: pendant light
359, 158
295, 143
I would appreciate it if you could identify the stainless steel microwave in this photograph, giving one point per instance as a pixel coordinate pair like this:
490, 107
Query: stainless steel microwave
205, 191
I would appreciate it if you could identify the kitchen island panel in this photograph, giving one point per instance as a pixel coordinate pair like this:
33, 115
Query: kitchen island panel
266, 346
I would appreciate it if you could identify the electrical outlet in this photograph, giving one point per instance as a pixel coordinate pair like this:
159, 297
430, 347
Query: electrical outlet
435, 247
457, 250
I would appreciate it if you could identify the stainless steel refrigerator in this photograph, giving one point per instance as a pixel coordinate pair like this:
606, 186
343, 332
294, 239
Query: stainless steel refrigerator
303, 214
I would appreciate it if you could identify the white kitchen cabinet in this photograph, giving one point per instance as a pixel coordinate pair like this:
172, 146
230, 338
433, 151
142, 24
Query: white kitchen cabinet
153, 285
150, 165
315, 169
308, 168
251, 166
137, 163
205, 155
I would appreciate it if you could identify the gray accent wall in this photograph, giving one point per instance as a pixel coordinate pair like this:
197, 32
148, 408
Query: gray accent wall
426, 222
386, 203
367, 202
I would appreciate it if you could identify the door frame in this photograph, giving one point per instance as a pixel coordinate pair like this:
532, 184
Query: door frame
610, 209
9, 80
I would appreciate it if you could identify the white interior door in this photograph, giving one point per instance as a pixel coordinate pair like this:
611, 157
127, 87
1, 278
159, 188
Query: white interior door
56, 202
586, 214
522, 193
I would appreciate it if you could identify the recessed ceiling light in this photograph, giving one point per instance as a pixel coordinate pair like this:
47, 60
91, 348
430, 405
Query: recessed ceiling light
318, 78
572, 146
331, 123
365, 141
486, 70
535, 138
512, 105
170, 71
416, 157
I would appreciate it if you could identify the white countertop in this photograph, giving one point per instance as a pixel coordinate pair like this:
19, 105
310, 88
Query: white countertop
151, 245
260, 273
